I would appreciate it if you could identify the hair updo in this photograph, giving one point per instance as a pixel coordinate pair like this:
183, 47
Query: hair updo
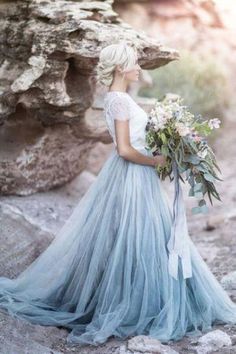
122, 53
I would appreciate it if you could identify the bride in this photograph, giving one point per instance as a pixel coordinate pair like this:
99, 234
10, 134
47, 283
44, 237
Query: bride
106, 272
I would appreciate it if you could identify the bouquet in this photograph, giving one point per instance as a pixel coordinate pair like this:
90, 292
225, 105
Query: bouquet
173, 131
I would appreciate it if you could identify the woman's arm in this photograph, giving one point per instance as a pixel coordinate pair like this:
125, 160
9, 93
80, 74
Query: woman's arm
126, 150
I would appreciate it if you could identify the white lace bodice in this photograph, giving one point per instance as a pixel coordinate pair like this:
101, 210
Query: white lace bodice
121, 106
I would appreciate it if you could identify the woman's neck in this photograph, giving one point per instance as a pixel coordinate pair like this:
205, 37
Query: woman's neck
119, 86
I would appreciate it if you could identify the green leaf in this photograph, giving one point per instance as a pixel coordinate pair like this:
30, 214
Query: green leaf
192, 158
191, 192
198, 194
202, 202
163, 138
188, 171
196, 210
164, 150
200, 209
209, 177
204, 209
209, 196
197, 187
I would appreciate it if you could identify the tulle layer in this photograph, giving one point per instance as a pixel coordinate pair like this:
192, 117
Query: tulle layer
105, 273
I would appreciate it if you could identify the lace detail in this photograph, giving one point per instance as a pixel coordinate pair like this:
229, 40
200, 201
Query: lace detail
118, 106
121, 106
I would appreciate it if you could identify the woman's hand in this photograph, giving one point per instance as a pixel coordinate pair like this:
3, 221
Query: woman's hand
159, 160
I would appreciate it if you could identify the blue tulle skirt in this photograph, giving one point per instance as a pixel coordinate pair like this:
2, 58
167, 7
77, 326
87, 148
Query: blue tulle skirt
105, 273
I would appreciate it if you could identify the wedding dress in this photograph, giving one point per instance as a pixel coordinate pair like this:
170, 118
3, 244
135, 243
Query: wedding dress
106, 271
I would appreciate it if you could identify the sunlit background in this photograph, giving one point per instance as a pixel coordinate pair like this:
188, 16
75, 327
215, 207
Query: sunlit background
204, 34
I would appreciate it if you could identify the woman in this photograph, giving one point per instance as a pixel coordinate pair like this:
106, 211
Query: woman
105, 273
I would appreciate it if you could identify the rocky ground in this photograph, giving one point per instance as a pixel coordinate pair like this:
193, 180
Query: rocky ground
30, 223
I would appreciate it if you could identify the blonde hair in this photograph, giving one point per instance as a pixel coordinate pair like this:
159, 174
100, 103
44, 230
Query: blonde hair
122, 53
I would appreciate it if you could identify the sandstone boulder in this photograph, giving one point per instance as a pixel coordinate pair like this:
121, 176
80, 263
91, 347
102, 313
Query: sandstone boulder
49, 52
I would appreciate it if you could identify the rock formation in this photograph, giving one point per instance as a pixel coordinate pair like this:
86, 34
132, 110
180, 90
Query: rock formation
49, 50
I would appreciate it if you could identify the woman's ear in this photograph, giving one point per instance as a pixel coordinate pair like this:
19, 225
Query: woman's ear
119, 69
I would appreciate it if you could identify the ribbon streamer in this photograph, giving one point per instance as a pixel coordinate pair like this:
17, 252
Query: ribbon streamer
178, 244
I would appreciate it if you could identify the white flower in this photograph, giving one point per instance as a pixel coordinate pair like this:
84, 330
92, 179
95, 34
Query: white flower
168, 115
153, 120
162, 114
182, 129
158, 125
214, 123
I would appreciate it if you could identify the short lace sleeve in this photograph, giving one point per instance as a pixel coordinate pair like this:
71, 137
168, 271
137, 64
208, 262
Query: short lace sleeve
119, 108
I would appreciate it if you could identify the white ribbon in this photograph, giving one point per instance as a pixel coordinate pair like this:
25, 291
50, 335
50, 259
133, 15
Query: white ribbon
178, 244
